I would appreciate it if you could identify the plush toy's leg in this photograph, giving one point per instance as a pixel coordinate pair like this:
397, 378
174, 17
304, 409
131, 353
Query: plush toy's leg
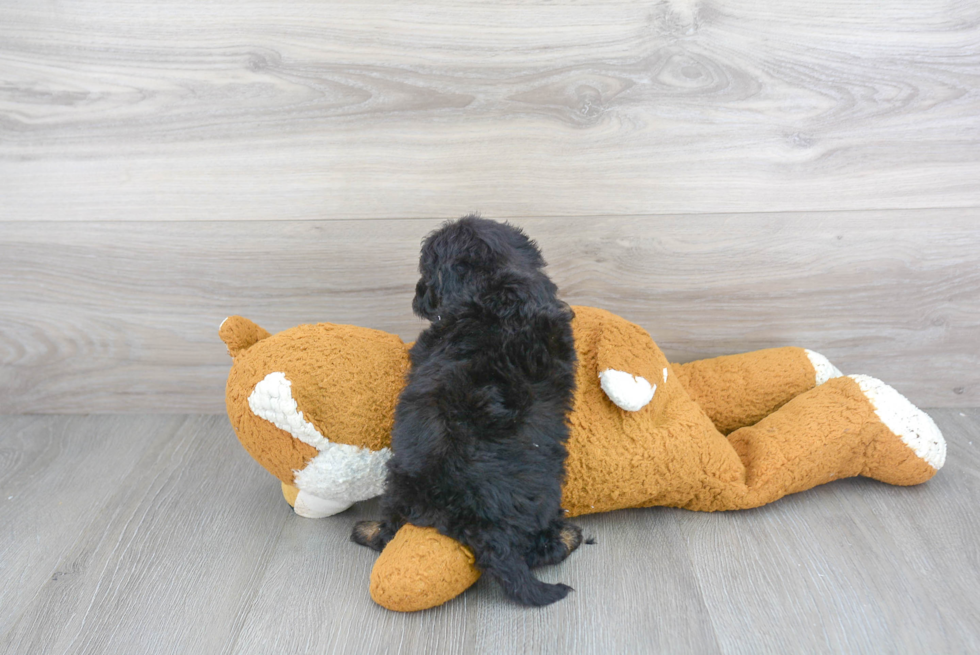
421, 568
849, 426
740, 390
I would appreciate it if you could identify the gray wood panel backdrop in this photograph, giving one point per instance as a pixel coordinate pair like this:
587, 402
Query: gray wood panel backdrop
730, 175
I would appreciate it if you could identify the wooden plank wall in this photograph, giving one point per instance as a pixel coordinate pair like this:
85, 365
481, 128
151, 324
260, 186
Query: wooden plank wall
730, 175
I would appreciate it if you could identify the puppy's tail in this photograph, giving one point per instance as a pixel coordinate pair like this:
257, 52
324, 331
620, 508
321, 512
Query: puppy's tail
520, 585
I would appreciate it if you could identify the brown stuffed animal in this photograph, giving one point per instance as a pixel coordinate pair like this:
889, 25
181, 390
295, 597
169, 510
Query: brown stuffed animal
314, 405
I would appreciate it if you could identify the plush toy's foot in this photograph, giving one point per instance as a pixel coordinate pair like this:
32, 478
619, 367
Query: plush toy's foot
289, 492
909, 447
314, 507
309, 506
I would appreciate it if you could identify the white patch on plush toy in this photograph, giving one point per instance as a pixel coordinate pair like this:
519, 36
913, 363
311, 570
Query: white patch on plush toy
665, 375
340, 474
916, 428
272, 399
345, 473
824, 369
628, 392
313, 507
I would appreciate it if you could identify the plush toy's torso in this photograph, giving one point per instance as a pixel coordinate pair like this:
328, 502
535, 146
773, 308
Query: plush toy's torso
667, 453
345, 381
324, 424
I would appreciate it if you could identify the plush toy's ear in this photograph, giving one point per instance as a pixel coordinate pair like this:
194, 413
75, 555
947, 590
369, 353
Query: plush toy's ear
239, 334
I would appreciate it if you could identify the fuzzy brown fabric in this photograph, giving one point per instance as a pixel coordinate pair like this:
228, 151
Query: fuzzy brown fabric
240, 334
739, 390
421, 568
345, 380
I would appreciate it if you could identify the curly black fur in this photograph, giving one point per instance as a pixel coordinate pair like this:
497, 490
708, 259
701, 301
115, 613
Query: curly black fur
480, 429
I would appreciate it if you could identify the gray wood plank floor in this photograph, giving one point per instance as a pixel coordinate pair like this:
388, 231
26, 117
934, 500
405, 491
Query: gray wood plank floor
158, 534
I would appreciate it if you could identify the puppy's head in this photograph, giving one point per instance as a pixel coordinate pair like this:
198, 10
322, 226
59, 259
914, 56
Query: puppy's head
463, 257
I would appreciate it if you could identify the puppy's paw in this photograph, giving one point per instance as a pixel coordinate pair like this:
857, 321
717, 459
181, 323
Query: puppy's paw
370, 534
555, 548
571, 538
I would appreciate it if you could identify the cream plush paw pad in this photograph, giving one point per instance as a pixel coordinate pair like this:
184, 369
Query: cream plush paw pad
916, 429
628, 392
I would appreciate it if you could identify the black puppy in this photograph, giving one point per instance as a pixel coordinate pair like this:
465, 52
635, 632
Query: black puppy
480, 428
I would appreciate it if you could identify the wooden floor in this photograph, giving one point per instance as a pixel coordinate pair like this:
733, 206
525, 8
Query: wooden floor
158, 534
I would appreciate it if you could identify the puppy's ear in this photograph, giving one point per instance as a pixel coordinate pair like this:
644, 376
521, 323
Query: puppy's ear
525, 250
452, 285
426, 301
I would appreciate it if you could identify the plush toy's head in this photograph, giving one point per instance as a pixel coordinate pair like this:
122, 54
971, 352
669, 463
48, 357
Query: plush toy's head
314, 405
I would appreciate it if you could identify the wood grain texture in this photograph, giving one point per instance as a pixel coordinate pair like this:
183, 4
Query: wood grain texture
123, 317
56, 476
193, 550
612, 612
854, 566
125, 110
172, 560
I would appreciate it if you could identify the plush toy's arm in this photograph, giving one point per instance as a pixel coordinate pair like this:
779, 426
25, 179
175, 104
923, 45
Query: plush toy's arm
629, 365
740, 390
